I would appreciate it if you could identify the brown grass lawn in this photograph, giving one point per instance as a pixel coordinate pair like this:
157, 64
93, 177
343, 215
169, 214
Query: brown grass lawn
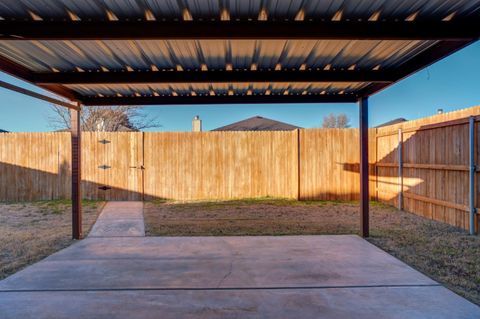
32, 231
444, 253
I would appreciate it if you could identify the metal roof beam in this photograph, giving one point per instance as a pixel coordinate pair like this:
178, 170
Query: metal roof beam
36, 95
25, 74
460, 29
235, 99
212, 77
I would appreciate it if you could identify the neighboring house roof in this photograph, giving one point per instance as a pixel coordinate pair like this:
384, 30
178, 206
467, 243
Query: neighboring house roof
3, 131
257, 123
392, 122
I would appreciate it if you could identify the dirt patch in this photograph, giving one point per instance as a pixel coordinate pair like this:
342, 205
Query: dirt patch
445, 253
31, 231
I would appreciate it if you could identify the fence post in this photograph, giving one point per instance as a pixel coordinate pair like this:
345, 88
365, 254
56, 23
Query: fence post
400, 169
471, 126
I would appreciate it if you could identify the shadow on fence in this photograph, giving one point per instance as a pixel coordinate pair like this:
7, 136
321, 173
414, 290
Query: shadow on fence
434, 180
27, 184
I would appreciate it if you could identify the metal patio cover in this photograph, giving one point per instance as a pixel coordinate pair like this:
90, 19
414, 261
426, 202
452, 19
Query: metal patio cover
105, 52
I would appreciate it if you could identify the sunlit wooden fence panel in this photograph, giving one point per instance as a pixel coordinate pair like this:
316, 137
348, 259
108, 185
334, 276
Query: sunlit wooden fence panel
221, 165
329, 164
434, 156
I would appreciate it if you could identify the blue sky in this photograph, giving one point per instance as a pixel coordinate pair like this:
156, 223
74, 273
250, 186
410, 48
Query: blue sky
451, 84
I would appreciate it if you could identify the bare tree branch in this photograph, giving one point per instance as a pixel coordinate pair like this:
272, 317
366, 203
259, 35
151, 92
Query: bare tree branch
343, 121
336, 121
329, 121
60, 119
107, 119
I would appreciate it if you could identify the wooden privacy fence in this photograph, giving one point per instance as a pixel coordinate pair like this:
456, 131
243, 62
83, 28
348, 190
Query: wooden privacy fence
307, 164
304, 164
424, 166
34, 166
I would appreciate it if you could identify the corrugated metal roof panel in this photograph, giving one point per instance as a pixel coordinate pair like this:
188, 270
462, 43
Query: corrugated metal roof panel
237, 9
187, 55
41, 56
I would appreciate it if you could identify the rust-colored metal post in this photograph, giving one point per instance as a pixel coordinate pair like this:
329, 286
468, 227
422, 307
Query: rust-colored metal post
75, 126
364, 174
299, 171
471, 180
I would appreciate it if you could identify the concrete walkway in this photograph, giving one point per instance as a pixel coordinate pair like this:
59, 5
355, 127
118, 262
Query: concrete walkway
226, 277
120, 219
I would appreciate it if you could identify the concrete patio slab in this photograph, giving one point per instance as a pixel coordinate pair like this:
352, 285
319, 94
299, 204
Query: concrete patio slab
226, 277
344, 303
212, 262
120, 219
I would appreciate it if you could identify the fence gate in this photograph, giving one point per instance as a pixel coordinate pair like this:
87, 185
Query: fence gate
113, 165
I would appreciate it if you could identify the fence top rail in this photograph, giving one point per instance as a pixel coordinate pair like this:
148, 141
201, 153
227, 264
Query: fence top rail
461, 121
